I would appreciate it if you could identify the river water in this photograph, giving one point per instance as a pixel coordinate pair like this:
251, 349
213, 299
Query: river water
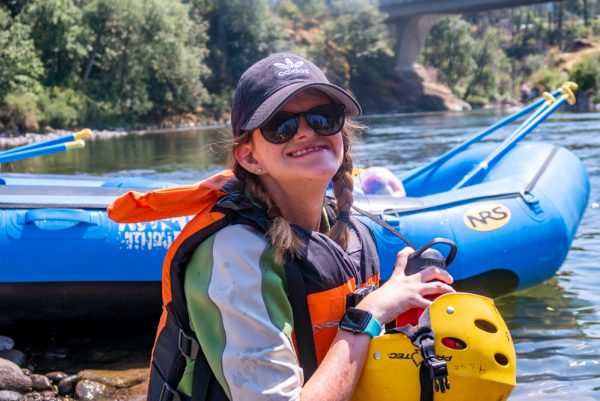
555, 325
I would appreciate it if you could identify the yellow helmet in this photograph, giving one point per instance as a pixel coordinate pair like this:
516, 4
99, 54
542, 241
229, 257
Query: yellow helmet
470, 336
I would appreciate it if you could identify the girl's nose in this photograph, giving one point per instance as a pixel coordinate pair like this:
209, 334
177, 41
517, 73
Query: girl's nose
304, 130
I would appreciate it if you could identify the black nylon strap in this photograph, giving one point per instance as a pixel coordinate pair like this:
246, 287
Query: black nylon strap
302, 323
385, 225
433, 372
426, 383
202, 377
205, 386
169, 394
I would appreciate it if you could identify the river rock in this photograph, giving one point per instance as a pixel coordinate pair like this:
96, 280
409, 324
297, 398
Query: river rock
56, 377
115, 378
92, 391
32, 396
14, 355
67, 385
48, 394
6, 343
40, 382
135, 393
11, 377
7, 395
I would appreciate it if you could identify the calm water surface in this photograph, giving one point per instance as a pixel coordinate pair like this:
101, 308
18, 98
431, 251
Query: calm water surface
555, 325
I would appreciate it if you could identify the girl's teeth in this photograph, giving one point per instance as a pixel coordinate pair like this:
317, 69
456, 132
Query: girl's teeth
303, 151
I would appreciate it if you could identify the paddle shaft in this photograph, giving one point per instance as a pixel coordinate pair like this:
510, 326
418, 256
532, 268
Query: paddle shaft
83, 134
500, 124
40, 151
509, 142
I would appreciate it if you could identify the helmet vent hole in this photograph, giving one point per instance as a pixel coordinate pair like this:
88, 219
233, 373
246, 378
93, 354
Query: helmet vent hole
486, 326
501, 359
454, 343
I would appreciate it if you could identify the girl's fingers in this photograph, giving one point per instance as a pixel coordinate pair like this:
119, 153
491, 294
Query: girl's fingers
436, 288
420, 302
402, 259
435, 273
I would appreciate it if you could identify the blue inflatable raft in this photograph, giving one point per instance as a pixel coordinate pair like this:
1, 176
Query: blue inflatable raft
513, 230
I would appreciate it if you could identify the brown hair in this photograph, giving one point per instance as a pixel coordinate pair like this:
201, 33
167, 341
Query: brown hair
280, 233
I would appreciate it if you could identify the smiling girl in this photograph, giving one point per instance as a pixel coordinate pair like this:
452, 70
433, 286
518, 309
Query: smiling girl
287, 258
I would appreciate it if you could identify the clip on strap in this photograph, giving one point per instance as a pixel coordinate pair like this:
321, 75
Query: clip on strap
438, 370
188, 345
424, 339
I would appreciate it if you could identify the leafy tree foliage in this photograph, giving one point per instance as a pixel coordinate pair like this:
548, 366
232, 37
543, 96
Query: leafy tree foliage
585, 72
451, 48
240, 33
20, 67
65, 62
145, 57
59, 36
359, 33
490, 78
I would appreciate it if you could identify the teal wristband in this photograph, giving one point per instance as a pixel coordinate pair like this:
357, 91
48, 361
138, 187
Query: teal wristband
373, 328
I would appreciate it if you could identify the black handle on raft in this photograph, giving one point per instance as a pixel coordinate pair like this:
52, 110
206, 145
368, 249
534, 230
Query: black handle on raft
427, 256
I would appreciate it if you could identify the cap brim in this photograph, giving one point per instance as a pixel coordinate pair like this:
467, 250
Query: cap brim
274, 103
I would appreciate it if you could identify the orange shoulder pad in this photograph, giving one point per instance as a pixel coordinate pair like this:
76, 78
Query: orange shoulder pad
186, 200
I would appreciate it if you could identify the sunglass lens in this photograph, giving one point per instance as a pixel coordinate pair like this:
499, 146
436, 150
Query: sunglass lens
327, 119
281, 128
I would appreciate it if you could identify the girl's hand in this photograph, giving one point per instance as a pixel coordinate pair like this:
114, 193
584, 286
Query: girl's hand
401, 292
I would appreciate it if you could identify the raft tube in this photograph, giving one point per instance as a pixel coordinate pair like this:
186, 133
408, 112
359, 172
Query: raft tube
62, 256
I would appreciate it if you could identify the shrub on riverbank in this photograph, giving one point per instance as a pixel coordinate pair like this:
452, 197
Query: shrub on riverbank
586, 72
20, 113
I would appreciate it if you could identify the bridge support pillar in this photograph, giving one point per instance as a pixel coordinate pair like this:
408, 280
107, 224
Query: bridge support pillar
412, 33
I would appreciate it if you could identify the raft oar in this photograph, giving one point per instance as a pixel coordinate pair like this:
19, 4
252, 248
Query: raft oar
40, 151
519, 134
500, 124
83, 134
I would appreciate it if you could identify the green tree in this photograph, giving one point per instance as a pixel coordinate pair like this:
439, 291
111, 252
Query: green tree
491, 76
59, 37
20, 67
241, 32
451, 50
585, 72
356, 31
146, 58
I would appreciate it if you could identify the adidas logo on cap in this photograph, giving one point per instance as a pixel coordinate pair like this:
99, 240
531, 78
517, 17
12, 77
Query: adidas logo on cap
291, 68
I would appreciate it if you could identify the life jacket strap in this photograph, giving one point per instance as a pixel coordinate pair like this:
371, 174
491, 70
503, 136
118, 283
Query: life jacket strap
168, 393
188, 345
433, 372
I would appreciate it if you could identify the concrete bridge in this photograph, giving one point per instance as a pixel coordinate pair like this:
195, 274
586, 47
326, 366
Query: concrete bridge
414, 18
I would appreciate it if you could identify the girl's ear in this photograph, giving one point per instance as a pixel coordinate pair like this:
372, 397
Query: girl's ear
244, 156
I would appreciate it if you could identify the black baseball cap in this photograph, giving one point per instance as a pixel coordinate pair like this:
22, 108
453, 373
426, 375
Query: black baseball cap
269, 83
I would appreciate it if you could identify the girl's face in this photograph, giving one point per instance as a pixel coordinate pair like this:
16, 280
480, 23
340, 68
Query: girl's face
308, 158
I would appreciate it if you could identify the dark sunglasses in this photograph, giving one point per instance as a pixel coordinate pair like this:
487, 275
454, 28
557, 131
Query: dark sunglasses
325, 120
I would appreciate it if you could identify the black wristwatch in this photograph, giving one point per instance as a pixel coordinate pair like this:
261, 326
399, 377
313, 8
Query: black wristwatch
359, 321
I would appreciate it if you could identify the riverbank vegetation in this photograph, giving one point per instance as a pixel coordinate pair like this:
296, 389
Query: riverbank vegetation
109, 63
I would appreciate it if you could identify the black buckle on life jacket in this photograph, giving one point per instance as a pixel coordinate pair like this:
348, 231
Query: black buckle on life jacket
438, 370
424, 339
188, 345
167, 393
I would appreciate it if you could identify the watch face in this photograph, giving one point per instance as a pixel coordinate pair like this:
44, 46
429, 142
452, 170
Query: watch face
355, 319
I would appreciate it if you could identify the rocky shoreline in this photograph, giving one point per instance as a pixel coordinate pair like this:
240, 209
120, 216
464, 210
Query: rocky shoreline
20, 382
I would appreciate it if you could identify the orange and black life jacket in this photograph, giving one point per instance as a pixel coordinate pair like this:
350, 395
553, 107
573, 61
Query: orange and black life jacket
319, 281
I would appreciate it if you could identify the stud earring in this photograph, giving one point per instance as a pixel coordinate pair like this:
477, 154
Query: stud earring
259, 170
